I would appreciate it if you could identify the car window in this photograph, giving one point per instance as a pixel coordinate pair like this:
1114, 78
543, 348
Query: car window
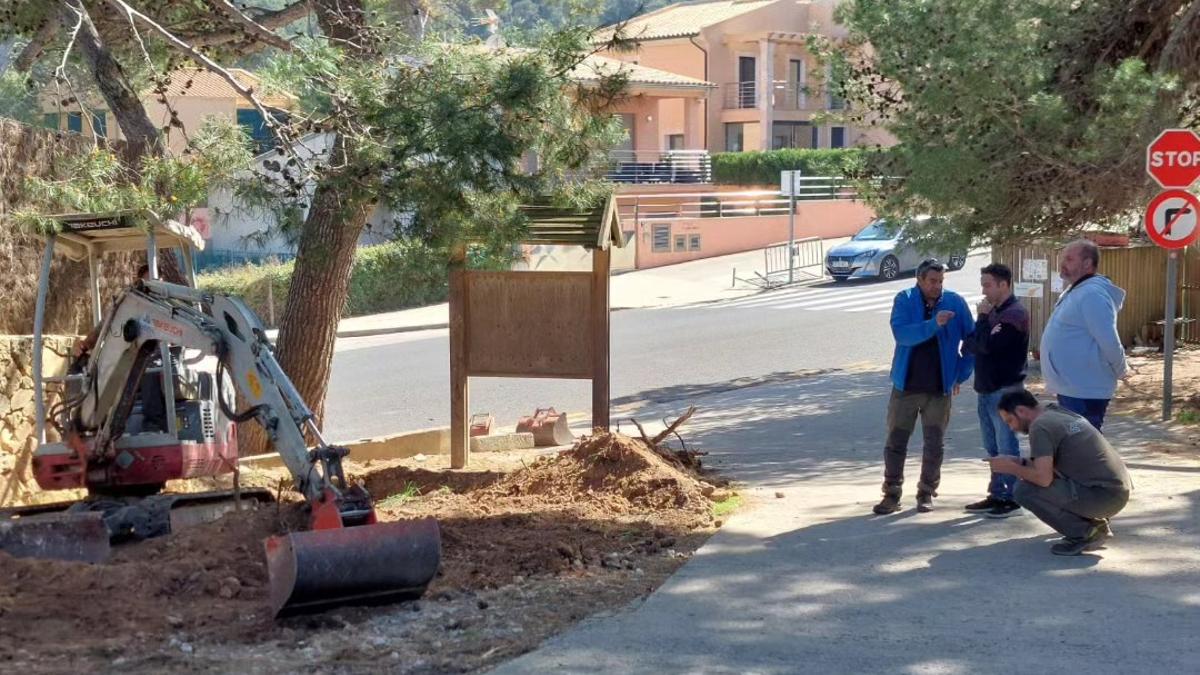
876, 230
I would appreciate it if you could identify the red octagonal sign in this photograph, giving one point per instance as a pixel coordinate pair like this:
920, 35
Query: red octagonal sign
1173, 159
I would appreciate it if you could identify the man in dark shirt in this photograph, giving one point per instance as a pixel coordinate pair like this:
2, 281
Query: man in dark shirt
1000, 344
928, 325
1075, 480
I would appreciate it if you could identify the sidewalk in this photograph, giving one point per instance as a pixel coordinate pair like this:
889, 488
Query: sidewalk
698, 281
804, 579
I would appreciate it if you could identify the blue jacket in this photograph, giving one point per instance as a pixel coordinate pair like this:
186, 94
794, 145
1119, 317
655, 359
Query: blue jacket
1082, 354
910, 328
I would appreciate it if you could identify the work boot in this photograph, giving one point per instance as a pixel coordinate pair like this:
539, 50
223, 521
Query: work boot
890, 502
1096, 535
925, 501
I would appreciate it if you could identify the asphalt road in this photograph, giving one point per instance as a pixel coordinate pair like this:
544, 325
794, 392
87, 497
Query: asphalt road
386, 384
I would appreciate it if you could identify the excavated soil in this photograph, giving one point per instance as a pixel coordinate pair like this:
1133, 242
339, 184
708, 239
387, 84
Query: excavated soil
527, 550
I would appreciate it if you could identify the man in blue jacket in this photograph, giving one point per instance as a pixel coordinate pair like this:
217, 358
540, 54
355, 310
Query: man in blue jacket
928, 367
1082, 356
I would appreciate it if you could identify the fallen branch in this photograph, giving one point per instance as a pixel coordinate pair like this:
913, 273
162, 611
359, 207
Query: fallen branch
674, 425
683, 458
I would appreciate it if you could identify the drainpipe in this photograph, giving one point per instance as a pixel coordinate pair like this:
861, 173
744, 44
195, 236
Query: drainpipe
692, 39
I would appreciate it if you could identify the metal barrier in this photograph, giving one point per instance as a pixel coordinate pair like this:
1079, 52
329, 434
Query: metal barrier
681, 206
672, 166
804, 262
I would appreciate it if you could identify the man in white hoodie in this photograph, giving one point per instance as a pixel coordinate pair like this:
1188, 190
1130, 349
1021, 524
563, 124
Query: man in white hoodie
1081, 352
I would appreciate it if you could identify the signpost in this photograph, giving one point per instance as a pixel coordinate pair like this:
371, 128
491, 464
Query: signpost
789, 184
1173, 222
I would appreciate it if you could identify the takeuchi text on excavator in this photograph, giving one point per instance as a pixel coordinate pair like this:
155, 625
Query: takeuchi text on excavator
152, 398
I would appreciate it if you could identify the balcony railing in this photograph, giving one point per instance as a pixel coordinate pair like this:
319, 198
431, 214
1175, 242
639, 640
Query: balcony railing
785, 95
741, 95
672, 166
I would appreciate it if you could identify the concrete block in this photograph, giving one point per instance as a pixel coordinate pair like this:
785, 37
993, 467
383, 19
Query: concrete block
397, 446
502, 442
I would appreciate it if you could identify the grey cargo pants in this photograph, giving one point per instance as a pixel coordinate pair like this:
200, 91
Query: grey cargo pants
903, 409
1068, 507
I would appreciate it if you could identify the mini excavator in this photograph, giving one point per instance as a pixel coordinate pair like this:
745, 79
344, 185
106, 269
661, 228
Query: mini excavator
170, 348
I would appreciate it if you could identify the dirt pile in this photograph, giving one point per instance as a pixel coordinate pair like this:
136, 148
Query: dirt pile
613, 469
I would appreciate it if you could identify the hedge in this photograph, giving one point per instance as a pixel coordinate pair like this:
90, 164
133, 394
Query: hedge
385, 278
763, 167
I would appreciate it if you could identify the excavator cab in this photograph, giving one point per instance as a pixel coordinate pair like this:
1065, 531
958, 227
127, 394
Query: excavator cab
155, 401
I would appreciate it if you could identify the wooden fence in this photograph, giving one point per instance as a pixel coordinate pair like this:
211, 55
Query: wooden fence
1139, 269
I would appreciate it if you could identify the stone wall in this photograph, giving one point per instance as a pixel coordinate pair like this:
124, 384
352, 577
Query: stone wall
26, 151
17, 437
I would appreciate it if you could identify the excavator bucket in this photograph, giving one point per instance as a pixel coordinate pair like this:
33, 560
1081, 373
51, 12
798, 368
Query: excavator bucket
60, 536
362, 565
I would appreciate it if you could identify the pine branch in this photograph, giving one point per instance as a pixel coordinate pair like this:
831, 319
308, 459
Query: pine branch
257, 30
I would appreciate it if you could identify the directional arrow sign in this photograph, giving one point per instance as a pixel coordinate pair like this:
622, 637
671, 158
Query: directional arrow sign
1173, 219
1173, 159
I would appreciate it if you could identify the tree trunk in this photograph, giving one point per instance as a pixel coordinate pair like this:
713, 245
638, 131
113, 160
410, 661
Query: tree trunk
319, 286
140, 133
325, 254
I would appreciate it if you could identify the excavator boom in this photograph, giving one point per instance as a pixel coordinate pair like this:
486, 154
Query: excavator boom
346, 556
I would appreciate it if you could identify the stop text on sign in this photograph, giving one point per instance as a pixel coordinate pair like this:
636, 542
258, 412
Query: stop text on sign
1173, 158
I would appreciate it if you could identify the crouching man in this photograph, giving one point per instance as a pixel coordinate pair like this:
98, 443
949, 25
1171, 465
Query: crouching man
1075, 482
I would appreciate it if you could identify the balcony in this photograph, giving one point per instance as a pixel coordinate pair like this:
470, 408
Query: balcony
672, 166
787, 96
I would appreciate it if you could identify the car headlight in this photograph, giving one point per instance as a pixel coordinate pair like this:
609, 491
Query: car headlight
866, 255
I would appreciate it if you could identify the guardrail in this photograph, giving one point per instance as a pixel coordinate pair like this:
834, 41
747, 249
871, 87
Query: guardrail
803, 261
679, 206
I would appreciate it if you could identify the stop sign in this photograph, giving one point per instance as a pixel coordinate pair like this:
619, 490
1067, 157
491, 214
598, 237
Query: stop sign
1173, 159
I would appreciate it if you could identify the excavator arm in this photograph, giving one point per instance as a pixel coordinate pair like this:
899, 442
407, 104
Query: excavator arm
346, 556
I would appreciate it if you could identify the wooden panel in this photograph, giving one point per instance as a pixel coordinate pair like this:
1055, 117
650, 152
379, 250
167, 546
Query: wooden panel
600, 339
460, 446
531, 323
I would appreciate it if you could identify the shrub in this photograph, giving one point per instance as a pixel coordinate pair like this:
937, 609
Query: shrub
385, 278
763, 167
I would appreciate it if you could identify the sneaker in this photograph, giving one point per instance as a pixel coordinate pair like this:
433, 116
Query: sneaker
924, 501
1076, 545
1003, 509
889, 504
982, 505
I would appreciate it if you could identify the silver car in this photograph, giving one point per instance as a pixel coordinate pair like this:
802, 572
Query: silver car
878, 252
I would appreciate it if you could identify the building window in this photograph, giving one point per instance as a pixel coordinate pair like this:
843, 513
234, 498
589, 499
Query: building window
50, 121
694, 242
662, 238
99, 125
75, 122
675, 142
252, 122
836, 102
837, 137
735, 137
790, 135
747, 75
816, 138
680, 242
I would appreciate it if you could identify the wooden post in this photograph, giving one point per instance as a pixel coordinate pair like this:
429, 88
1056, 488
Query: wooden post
460, 442
600, 338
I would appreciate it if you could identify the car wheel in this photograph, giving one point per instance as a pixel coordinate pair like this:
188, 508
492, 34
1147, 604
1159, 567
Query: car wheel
889, 268
957, 262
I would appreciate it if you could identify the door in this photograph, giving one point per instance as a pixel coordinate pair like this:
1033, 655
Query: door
626, 145
747, 72
796, 84
908, 254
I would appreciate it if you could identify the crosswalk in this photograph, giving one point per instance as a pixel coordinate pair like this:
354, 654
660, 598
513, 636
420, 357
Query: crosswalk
866, 299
